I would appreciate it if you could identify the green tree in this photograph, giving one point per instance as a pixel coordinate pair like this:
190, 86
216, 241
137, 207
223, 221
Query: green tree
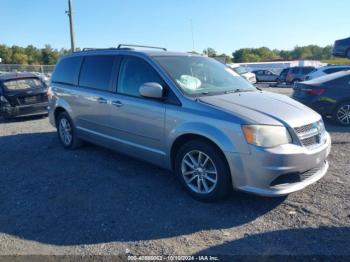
209, 52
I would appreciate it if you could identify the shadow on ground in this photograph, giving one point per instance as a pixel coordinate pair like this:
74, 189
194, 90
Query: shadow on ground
316, 241
93, 195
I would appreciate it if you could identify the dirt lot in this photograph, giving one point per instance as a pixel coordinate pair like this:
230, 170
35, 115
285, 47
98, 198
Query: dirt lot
95, 201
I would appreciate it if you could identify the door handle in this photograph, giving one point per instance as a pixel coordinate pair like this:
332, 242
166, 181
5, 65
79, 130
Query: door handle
117, 103
102, 100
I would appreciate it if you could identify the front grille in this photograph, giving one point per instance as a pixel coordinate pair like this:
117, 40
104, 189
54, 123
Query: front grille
304, 129
311, 135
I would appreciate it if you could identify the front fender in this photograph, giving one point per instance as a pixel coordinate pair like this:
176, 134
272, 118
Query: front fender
210, 132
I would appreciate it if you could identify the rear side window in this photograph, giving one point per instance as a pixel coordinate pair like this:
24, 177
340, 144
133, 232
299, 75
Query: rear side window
96, 72
134, 72
67, 70
295, 70
307, 70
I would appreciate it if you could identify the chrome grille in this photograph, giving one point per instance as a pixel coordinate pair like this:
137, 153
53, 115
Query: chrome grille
311, 135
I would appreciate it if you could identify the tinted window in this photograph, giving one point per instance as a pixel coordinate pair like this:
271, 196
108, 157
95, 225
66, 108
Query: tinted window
307, 70
134, 72
295, 70
337, 69
67, 70
96, 72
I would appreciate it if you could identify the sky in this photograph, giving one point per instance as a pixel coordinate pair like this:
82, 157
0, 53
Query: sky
225, 25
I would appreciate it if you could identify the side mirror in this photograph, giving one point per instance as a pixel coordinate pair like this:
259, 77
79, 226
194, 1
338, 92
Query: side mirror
151, 90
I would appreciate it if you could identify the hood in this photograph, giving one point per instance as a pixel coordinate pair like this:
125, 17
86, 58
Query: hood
264, 108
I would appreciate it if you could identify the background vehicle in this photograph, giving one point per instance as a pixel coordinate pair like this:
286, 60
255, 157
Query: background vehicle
22, 94
265, 76
243, 72
342, 48
190, 114
326, 70
298, 73
328, 95
282, 78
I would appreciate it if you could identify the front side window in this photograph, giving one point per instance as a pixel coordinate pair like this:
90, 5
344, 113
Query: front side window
134, 72
96, 72
22, 84
196, 75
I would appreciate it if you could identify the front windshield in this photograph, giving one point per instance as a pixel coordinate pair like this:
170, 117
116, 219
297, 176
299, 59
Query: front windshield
240, 70
196, 75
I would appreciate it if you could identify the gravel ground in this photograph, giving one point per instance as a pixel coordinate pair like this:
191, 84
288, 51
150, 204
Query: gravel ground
95, 201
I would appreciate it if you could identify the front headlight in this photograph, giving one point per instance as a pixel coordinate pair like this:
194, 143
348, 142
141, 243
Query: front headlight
266, 136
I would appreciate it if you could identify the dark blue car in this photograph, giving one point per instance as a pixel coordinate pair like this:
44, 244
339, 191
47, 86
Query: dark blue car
342, 48
328, 95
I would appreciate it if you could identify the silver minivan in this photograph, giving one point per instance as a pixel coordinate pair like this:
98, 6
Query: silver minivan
190, 114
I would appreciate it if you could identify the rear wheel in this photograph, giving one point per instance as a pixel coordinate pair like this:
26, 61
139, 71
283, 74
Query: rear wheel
342, 114
201, 168
66, 132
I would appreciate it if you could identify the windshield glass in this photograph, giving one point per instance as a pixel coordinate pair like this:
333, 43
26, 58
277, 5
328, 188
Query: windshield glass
20, 84
240, 70
197, 75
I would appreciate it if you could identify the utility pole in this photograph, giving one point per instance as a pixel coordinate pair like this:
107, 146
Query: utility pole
192, 34
71, 26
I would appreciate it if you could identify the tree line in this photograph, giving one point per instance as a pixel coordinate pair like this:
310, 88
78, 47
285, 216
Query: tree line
264, 54
31, 55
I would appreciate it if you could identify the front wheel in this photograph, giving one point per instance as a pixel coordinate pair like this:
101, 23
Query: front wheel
201, 168
342, 114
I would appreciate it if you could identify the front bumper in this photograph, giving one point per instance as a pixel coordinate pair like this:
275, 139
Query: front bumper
27, 110
258, 171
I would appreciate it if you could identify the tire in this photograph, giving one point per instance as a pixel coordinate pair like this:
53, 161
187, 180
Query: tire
65, 127
212, 176
341, 114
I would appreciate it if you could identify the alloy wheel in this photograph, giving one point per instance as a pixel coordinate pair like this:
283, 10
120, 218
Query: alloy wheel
343, 114
199, 172
65, 131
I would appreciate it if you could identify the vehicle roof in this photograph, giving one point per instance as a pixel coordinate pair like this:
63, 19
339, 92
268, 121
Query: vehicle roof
328, 78
121, 51
332, 66
15, 75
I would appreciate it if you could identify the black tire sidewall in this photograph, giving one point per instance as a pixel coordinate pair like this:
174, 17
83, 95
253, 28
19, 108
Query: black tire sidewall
224, 185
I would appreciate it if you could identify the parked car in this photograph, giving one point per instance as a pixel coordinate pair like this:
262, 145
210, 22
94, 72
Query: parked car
298, 73
342, 48
243, 72
190, 114
328, 95
282, 78
265, 76
326, 70
22, 94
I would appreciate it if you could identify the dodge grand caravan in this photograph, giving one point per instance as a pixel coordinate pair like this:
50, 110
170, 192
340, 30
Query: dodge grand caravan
190, 114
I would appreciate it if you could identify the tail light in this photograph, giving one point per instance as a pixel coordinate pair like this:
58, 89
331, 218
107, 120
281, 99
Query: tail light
314, 91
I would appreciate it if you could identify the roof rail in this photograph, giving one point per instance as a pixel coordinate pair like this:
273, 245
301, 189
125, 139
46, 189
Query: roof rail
92, 48
142, 46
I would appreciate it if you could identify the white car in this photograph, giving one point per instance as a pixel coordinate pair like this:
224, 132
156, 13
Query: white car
326, 70
243, 72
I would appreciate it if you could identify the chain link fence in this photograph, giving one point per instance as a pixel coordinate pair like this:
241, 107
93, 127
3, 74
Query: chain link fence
43, 71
